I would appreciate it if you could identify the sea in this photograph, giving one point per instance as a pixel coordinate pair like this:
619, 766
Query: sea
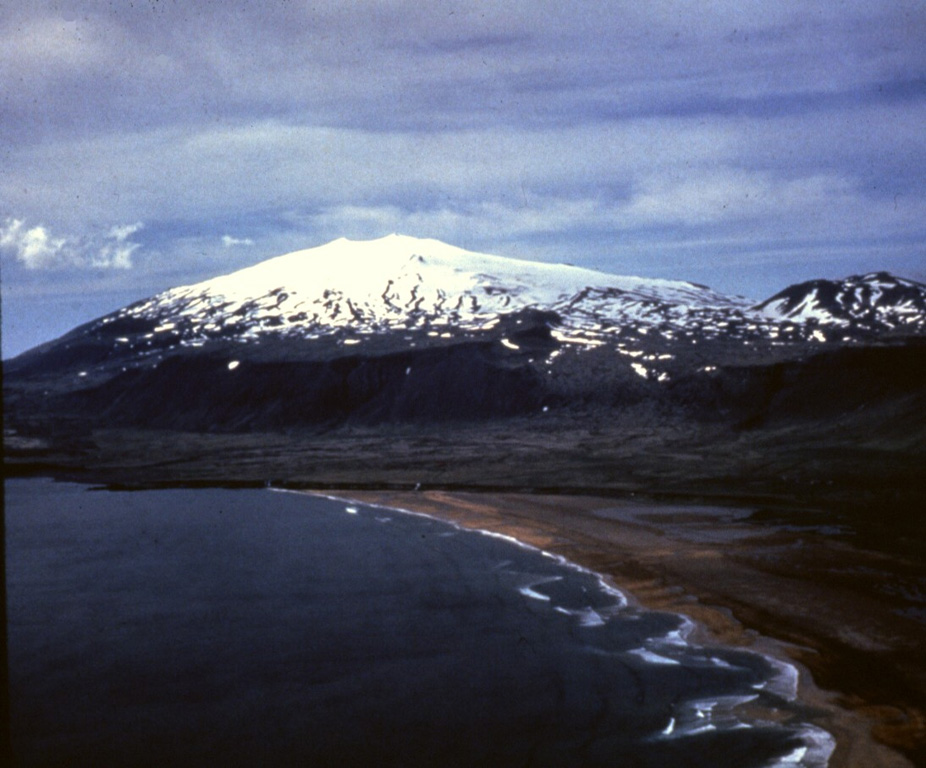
259, 627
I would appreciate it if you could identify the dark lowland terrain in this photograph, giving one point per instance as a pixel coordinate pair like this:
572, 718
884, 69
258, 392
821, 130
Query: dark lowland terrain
842, 429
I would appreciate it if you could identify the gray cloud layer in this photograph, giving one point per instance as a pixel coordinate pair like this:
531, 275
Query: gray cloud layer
740, 144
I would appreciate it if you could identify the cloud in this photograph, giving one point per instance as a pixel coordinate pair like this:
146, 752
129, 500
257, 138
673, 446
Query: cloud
36, 249
113, 256
398, 64
52, 43
229, 242
34, 246
614, 133
122, 233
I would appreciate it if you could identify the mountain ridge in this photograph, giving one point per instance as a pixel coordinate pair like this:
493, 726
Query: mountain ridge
361, 289
872, 300
408, 330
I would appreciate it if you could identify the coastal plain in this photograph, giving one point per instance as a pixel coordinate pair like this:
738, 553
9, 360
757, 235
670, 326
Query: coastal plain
809, 550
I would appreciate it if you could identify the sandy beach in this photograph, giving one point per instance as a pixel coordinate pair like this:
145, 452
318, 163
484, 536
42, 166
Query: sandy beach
798, 592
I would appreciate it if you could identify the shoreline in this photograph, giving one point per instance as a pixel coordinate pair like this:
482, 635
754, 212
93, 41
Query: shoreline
713, 566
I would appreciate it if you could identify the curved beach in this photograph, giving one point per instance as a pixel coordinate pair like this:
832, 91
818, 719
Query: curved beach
805, 596
243, 626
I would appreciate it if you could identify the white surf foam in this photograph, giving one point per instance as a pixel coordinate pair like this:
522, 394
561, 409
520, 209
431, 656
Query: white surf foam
653, 658
692, 717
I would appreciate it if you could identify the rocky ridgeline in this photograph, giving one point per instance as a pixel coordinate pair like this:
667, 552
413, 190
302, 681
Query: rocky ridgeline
401, 329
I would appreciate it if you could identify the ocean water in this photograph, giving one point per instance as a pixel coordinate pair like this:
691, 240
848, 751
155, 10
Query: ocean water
262, 628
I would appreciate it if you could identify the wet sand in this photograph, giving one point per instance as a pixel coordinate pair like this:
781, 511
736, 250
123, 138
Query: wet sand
850, 619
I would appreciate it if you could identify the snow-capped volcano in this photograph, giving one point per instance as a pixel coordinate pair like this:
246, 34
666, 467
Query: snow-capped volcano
402, 292
401, 329
357, 291
405, 282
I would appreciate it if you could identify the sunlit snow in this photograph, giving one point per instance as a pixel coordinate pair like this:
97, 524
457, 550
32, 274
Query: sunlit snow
409, 284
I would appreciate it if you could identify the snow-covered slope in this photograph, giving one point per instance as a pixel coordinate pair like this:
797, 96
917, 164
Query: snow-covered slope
403, 329
405, 282
876, 301
399, 293
381, 293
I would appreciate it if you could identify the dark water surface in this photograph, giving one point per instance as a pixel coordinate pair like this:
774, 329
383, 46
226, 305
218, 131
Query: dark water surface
259, 628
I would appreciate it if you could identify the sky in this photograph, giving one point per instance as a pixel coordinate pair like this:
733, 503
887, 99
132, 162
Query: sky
744, 145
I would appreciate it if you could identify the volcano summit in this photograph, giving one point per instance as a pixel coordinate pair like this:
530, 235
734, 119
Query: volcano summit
402, 330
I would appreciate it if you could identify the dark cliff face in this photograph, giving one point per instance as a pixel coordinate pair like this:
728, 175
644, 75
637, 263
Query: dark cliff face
825, 387
91, 379
201, 392
469, 382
